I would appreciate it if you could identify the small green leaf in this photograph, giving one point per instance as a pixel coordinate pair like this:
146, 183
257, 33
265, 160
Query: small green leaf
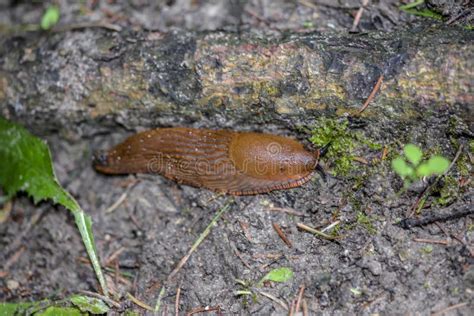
89, 304
401, 167
438, 164
356, 291
63, 311
413, 153
423, 170
50, 17
278, 275
411, 5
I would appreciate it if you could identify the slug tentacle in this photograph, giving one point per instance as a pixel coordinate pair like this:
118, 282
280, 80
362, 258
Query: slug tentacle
224, 161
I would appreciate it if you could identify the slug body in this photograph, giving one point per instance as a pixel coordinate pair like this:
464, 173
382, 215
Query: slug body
238, 163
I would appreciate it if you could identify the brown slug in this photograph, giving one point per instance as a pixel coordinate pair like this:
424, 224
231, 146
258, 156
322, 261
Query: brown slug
238, 163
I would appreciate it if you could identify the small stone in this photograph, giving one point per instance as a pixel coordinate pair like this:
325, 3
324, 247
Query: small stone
374, 267
12, 285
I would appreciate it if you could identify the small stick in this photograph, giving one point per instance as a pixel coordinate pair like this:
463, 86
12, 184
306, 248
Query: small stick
282, 235
330, 226
359, 15
305, 308
245, 229
286, 210
372, 94
273, 298
292, 308
205, 309
239, 255
117, 203
101, 297
14, 258
450, 308
176, 304
300, 297
136, 301
413, 222
196, 244
429, 241
314, 231
361, 160
384, 153
114, 255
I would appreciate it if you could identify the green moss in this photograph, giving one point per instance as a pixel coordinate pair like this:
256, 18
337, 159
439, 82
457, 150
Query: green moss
366, 222
343, 143
449, 192
464, 166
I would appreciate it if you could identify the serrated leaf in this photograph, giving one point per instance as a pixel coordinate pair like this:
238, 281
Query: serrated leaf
438, 164
413, 153
89, 304
400, 166
26, 166
50, 17
278, 275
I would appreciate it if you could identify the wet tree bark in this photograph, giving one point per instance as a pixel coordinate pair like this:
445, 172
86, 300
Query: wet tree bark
64, 81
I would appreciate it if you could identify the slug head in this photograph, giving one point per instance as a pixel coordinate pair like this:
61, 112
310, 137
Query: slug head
271, 157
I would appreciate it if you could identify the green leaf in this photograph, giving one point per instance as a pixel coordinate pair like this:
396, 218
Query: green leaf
26, 166
400, 166
411, 5
89, 304
63, 311
438, 164
50, 17
423, 170
278, 275
413, 153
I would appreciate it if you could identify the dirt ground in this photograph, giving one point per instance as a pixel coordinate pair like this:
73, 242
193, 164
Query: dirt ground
376, 267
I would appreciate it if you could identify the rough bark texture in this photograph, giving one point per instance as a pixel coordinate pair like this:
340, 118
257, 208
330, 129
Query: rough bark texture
150, 79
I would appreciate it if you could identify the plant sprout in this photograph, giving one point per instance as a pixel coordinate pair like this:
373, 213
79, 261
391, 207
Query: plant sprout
410, 167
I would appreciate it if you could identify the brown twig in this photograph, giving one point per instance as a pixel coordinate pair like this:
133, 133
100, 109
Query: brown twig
292, 308
239, 255
450, 308
372, 94
274, 299
315, 232
104, 298
286, 210
300, 297
430, 241
429, 219
282, 235
14, 258
361, 160
305, 308
114, 255
245, 228
384, 153
205, 309
359, 15
176, 304
137, 302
